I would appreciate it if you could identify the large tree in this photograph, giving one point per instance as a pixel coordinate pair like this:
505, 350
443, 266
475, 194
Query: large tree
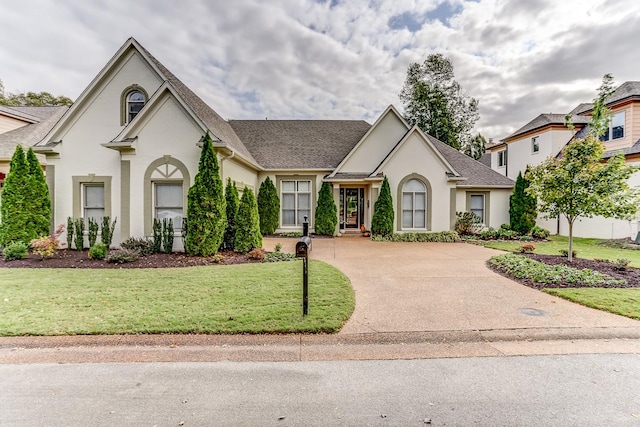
475, 147
434, 101
31, 99
206, 206
578, 183
268, 207
326, 215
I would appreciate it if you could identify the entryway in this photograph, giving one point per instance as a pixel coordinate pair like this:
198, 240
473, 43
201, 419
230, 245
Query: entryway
352, 208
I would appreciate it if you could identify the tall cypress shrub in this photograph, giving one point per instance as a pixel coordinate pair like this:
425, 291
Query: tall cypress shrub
40, 202
206, 206
522, 207
16, 209
268, 207
326, 215
233, 200
382, 221
248, 224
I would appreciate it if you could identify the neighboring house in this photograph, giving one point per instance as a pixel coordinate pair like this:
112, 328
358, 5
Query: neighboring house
547, 134
24, 126
129, 148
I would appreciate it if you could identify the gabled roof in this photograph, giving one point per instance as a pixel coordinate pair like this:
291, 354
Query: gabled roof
26, 114
29, 134
626, 91
299, 144
544, 120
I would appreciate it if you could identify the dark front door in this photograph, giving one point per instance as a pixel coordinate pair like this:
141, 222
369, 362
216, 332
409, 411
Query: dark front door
351, 201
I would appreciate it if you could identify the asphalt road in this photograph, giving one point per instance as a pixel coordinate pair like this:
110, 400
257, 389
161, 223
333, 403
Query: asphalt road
571, 390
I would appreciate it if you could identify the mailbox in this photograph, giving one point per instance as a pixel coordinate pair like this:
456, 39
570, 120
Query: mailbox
303, 247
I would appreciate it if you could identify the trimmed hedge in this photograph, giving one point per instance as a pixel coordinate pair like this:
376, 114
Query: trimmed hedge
382, 221
442, 237
326, 215
248, 234
268, 207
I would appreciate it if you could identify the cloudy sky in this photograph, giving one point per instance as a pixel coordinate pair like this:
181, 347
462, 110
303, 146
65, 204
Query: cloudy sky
289, 59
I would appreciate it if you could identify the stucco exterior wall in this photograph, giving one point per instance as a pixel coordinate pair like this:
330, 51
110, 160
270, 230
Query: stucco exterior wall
520, 153
496, 204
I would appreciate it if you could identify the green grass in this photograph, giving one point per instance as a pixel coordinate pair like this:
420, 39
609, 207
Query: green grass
247, 298
585, 248
625, 302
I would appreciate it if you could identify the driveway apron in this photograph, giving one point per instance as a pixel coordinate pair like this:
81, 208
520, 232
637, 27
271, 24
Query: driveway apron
412, 287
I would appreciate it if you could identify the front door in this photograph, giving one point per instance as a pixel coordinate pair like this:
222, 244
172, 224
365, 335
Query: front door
352, 212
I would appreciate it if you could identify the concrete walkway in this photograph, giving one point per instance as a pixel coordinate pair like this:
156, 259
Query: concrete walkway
413, 300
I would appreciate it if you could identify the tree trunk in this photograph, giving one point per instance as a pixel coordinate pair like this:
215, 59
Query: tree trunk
570, 253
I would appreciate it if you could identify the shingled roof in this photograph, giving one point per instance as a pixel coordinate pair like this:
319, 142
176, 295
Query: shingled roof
300, 144
29, 134
544, 120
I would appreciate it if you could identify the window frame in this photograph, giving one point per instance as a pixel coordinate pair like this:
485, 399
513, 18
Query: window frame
296, 194
399, 204
486, 212
124, 102
163, 170
85, 186
608, 136
160, 183
535, 145
502, 158
78, 183
413, 209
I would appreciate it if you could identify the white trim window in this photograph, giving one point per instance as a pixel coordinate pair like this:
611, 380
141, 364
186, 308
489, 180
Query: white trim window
616, 127
476, 202
168, 202
535, 145
414, 205
93, 201
502, 158
135, 102
296, 202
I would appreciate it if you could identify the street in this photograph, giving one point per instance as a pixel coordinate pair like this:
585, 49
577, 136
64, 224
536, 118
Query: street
570, 390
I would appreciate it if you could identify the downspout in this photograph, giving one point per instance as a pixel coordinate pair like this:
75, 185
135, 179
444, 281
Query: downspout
506, 160
222, 159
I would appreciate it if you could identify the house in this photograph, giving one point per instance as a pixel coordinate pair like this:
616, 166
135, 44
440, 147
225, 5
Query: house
129, 148
547, 134
24, 126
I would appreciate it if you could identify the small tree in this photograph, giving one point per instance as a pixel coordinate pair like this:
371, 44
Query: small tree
382, 221
268, 207
326, 215
522, 206
578, 184
248, 234
233, 200
16, 209
39, 200
206, 207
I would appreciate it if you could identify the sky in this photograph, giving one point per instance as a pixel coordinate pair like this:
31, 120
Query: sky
333, 59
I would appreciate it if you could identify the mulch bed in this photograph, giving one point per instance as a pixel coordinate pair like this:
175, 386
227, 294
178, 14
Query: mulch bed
80, 259
631, 275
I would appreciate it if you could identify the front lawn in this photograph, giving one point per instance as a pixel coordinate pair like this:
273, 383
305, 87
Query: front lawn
585, 248
625, 302
245, 298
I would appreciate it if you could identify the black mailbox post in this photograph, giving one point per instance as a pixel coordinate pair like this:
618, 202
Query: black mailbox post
302, 251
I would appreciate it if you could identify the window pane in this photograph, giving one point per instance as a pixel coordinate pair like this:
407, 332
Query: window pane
413, 185
304, 201
301, 214
479, 212
407, 201
169, 195
94, 196
477, 202
173, 214
420, 201
289, 186
419, 220
288, 217
136, 96
617, 125
96, 214
407, 219
288, 201
304, 186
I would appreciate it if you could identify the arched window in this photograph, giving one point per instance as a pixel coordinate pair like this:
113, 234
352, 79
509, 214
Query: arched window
414, 204
135, 102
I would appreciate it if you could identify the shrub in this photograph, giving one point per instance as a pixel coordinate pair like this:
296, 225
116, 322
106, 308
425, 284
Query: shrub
278, 257
248, 225
291, 234
233, 200
122, 256
382, 221
79, 233
217, 258
268, 207
69, 232
326, 214
98, 251
167, 235
157, 235
141, 245
106, 232
489, 234
92, 233
529, 248
522, 206
206, 207
441, 237
507, 234
565, 253
256, 253
522, 268
540, 233
621, 264
467, 223
15, 250
505, 227
16, 207
47, 246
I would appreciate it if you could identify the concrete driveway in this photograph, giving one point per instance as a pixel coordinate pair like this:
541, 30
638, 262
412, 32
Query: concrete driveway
430, 287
